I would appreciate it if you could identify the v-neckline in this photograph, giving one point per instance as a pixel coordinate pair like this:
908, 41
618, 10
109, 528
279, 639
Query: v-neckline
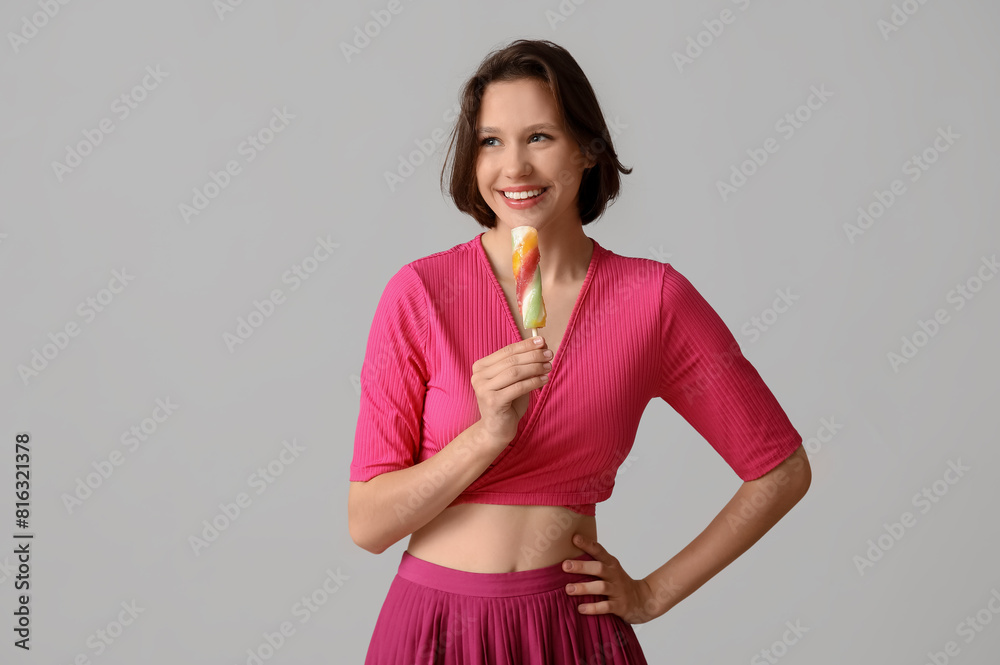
570, 325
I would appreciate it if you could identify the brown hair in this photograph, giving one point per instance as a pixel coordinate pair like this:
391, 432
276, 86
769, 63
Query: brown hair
554, 66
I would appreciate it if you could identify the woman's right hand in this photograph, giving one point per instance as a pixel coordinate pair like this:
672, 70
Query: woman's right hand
503, 381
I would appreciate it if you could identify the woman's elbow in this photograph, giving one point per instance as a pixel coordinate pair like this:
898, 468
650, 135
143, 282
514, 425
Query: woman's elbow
368, 546
790, 479
799, 472
360, 538
358, 524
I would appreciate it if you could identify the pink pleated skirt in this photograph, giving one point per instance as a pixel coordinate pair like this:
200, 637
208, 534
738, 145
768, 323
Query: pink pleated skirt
434, 615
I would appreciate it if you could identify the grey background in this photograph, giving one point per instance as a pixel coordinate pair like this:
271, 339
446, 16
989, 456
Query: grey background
295, 378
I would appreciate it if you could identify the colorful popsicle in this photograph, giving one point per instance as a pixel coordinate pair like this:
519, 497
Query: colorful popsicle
524, 244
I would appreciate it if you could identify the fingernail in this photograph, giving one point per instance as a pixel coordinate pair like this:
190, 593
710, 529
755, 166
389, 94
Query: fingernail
570, 588
567, 566
547, 353
537, 340
547, 366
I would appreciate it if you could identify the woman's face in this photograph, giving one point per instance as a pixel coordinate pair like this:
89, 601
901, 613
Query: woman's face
523, 145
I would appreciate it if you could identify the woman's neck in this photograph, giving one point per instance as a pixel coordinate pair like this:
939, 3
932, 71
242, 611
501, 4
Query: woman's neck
565, 253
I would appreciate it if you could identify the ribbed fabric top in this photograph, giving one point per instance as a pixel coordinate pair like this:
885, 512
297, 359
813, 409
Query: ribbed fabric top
638, 330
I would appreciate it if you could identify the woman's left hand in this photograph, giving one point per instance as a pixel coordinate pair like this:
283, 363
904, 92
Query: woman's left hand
630, 599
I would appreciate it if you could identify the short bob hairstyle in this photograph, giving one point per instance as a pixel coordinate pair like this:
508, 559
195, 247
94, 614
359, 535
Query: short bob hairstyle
581, 114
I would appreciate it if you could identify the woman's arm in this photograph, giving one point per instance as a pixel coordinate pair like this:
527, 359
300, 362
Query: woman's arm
753, 510
391, 506
394, 504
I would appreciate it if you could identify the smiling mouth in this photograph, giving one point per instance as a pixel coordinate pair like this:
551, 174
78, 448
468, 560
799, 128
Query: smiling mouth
525, 195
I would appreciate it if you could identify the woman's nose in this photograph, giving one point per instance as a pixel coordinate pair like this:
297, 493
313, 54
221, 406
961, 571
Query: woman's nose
516, 162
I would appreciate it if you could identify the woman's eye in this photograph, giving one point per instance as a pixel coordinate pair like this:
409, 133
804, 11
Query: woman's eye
486, 140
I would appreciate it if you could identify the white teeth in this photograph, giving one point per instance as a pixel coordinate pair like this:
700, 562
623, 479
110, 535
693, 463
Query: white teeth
523, 195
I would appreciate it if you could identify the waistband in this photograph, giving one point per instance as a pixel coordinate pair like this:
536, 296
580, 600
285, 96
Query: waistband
517, 583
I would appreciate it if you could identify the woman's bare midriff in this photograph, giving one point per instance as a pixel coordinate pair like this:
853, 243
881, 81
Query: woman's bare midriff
489, 538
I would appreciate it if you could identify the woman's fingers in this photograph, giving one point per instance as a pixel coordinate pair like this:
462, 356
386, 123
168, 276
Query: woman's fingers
511, 359
502, 381
508, 394
509, 350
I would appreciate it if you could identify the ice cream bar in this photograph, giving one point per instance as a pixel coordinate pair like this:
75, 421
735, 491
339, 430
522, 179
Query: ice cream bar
524, 244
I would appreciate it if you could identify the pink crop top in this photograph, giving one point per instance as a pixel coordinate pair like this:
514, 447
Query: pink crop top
638, 330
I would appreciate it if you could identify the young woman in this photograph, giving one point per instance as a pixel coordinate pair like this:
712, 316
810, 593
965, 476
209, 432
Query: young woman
490, 448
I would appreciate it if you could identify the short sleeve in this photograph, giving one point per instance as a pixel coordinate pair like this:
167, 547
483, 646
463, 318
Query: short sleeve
393, 380
706, 379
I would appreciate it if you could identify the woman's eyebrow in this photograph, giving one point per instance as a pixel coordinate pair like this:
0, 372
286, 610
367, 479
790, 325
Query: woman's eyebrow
496, 130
